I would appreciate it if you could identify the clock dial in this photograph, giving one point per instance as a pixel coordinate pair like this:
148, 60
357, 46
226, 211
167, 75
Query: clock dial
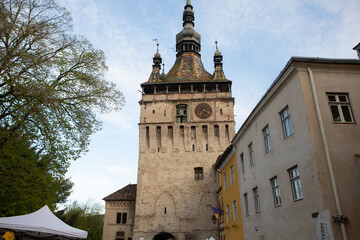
203, 110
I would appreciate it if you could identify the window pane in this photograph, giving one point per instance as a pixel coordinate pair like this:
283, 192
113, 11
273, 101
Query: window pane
290, 127
335, 113
342, 98
118, 218
332, 98
346, 113
124, 218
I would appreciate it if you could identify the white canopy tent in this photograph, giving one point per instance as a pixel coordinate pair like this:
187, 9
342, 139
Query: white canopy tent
41, 224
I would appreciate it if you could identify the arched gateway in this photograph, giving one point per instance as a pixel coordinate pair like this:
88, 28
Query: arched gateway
164, 236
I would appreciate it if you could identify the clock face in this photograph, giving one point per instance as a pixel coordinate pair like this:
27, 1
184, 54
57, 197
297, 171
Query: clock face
203, 110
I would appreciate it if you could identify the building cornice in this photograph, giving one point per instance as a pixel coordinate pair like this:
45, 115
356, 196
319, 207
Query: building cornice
282, 78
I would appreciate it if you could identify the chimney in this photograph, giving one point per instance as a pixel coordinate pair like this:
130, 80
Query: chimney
357, 49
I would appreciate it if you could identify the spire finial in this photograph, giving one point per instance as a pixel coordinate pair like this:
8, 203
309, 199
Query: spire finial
217, 52
188, 2
163, 70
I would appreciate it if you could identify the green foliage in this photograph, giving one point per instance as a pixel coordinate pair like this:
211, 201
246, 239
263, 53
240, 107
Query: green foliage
28, 181
51, 82
86, 216
51, 88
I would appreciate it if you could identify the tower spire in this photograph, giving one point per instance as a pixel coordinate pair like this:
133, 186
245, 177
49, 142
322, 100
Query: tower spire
188, 40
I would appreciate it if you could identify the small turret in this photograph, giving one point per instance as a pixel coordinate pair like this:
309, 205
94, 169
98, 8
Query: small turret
218, 73
157, 60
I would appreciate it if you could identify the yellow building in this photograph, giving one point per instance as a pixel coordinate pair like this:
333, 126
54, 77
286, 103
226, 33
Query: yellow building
230, 223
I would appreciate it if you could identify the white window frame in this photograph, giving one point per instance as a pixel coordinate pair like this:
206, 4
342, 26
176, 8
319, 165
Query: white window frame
234, 209
266, 132
257, 199
246, 201
286, 122
251, 154
227, 213
340, 102
295, 183
276, 191
232, 178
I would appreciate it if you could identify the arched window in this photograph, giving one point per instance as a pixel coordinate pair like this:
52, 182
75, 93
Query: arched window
181, 113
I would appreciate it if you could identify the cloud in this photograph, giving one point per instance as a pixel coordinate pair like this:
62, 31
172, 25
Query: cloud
316, 27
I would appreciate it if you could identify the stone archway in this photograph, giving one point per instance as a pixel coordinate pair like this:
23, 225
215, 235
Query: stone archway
164, 236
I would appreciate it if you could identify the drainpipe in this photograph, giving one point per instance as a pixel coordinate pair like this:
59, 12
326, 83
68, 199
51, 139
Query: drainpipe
327, 153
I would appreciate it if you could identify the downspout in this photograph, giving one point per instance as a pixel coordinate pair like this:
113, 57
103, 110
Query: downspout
327, 153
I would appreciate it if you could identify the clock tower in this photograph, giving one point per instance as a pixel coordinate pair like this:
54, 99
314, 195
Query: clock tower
186, 121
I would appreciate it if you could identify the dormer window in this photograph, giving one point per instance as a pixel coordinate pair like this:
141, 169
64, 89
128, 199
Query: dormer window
181, 113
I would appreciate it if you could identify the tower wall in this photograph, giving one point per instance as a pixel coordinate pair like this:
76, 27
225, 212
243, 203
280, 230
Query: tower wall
169, 198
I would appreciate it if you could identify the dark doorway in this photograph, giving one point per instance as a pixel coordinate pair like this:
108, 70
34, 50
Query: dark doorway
164, 236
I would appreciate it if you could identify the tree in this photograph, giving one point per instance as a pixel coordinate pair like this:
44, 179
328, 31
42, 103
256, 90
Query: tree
51, 82
28, 181
84, 216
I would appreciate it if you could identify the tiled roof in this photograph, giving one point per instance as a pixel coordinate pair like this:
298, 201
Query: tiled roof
127, 193
188, 68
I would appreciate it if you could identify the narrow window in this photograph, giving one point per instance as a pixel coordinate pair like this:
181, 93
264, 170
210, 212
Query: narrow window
181, 113
266, 132
246, 200
227, 213
182, 135
242, 163
147, 137
340, 108
199, 173
118, 218
205, 136
234, 210
251, 154
220, 111
216, 133
295, 184
257, 199
276, 191
225, 182
232, 174
124, 218
227, 135
286, 122
171, 135
164, 113
158, 137
153, 111
193, 137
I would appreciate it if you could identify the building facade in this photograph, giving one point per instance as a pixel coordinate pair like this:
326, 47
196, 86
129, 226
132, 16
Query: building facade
186, 121
298, 153
119, 214
230, 220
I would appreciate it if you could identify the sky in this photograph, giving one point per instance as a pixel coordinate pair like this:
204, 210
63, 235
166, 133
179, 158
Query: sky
256, 38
